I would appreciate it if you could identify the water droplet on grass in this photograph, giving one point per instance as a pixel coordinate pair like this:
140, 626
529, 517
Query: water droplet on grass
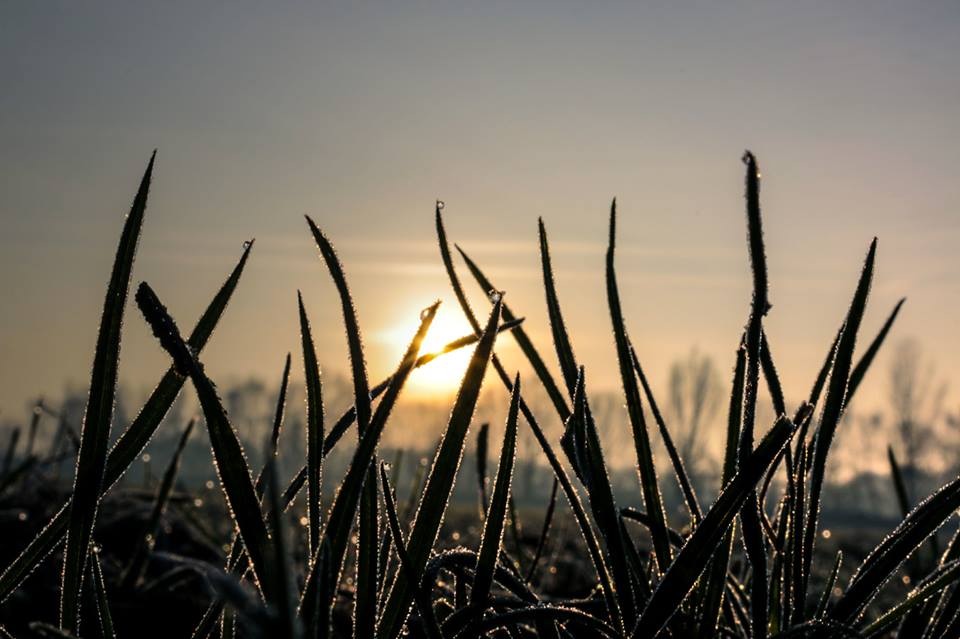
495, 295
441, 204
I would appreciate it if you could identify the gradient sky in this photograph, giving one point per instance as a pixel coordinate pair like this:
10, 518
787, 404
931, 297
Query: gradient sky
363, 115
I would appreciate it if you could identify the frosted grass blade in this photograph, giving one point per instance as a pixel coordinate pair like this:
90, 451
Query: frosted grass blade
98, 416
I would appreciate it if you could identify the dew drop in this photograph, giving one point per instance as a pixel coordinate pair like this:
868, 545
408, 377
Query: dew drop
246, 244
495, 295
22, 515
425, 313
826, 534
441, 204
304, 522
906, 580
146, 458
209, 484
198, 502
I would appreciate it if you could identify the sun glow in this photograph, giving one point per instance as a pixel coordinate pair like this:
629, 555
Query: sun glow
441, 376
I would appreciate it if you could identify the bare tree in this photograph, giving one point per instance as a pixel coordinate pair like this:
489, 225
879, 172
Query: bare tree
696, 393
916, 398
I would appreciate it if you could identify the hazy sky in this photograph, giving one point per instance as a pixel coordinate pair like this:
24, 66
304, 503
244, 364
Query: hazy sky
363, 115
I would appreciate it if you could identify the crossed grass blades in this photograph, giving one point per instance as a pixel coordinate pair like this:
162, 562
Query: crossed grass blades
653, 577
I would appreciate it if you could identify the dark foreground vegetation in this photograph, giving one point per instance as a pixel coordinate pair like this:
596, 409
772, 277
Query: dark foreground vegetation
364, 561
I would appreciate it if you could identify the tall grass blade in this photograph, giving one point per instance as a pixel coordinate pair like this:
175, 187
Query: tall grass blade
436, 493
365, 606
314, 428
833, 407
645, 464
682, 574
712, 598
361, 387
315, 603
230, 461
424, 607
686, 486
98, 416
751, 516
284, 594
493, 523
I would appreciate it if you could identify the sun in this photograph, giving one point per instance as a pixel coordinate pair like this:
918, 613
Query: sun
440, 377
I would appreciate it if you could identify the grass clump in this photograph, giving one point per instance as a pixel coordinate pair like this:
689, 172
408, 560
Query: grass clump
365, 569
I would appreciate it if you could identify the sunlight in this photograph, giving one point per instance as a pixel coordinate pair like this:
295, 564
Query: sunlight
442, 376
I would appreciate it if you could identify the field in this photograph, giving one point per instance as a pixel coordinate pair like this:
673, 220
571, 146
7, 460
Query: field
347, 549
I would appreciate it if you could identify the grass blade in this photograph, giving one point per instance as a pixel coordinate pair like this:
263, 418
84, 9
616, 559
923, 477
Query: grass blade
860, 370
493, 523
424, 608
686, 487
231, 464
833, 408
752, 511
682, 574
284, 597
426, 524
717, 571
482, 446
315, 603
314, 428
365, 606
361, 387
645, 464
100, 597
98, 416
828, 587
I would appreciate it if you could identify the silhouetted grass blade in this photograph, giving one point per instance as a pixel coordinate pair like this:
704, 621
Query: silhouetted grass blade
361, 387
493, 523
98, 416
314, 603
104, 616
834, 405
314, 428
714, 586
231, 463
426, 524
686, 487
682, 574
424, 607
648, 474
860, 370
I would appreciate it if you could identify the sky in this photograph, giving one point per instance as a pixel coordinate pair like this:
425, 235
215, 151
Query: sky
362, 115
